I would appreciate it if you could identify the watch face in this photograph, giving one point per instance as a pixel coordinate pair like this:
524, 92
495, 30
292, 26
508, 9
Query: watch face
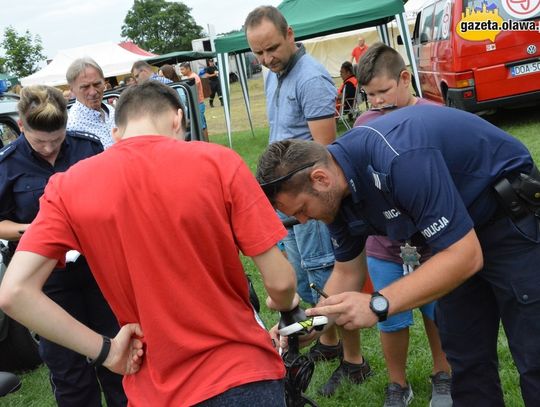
379, 304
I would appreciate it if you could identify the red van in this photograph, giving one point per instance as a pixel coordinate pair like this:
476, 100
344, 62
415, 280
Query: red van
477, 54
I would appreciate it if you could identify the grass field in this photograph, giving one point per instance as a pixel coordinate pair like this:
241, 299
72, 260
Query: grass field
523, 124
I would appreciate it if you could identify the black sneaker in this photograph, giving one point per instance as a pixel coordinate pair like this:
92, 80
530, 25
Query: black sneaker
320, 351
356, 373
397, 396
441, 384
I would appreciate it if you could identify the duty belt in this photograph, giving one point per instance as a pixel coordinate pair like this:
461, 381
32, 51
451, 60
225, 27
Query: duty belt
521, 196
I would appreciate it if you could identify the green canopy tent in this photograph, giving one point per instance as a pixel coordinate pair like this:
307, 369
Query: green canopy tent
315, 18
179, 56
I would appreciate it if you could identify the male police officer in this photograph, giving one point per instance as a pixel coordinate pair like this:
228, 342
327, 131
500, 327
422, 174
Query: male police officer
463, 186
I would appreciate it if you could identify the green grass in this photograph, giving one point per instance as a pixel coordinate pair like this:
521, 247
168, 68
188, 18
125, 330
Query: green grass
523, 123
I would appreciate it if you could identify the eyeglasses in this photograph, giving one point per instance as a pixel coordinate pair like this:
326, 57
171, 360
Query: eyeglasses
270, 188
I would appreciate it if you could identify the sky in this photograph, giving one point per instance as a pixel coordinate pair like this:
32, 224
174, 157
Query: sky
72, 23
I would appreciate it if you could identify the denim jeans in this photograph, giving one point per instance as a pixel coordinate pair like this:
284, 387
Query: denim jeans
268, 393
309, 249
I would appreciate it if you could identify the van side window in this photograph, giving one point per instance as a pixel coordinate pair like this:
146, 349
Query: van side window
437, 23
426, 24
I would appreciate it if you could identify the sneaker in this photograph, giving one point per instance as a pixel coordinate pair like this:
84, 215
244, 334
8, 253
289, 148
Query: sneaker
320, 351
397, 396
356, 373
440, 394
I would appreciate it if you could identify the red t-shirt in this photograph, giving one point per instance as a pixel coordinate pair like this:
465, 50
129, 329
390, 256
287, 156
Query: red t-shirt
161, 222
357, 53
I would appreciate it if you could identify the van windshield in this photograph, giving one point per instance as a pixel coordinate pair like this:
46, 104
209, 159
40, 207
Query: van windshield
508, 9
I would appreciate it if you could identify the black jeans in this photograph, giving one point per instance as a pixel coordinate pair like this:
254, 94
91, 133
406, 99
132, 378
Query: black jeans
74, 382
507, 289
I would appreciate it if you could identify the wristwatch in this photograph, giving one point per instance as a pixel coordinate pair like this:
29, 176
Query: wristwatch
379, 305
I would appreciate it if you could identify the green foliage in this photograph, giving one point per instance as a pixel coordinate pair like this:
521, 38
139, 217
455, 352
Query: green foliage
160, 26
23, 53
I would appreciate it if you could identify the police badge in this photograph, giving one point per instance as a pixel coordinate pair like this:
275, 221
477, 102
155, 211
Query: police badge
410, 256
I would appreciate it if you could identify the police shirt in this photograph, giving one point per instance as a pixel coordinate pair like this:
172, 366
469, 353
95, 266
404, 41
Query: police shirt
421, 169
24, 174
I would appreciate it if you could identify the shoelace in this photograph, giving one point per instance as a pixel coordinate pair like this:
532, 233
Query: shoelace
395, 395
441, 385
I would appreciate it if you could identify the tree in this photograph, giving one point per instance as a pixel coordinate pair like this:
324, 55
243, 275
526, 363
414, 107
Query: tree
23, 52
160, 26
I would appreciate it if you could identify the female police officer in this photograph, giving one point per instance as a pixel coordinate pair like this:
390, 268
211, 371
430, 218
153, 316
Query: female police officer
44, 148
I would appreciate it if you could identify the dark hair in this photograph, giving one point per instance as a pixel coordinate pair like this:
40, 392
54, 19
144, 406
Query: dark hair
151, 98
42, 108
185, 65
347, 66
379, 59
286, 157
269, 13
169, 72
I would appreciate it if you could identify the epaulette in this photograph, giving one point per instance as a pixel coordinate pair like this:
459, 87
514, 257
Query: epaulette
84, 135
6, 151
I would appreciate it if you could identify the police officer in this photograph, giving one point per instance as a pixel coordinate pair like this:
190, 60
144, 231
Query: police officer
449, 179
43, 149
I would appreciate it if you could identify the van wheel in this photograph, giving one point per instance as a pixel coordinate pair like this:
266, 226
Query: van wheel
19, 350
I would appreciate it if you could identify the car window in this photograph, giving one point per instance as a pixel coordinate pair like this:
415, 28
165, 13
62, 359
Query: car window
438, 32
426, 23
8, 131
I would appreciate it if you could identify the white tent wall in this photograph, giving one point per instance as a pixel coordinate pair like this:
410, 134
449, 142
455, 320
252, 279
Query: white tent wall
113, 59
332, 50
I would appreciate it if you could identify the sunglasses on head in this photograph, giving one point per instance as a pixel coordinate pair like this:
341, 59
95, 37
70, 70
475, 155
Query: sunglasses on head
270, 188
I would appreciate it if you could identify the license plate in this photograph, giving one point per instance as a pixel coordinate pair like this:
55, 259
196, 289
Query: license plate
525, 69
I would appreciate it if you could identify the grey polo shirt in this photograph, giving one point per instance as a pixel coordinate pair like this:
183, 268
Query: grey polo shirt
304, 92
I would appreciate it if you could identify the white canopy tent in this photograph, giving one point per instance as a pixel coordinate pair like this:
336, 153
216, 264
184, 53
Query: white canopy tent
113, 59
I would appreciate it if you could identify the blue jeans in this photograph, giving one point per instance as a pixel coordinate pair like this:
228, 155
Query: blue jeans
202, 108
309, 249
382, 274
268, 393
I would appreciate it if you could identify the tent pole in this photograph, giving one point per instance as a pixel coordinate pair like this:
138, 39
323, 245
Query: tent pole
241, 65
406, 36
223, 61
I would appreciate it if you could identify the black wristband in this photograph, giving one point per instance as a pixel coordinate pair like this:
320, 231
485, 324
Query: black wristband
103, 353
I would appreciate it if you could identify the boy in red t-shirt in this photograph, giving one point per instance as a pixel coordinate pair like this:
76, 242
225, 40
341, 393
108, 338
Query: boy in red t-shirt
161, 222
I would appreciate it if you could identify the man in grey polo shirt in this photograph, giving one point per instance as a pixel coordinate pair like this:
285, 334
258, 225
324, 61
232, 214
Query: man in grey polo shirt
300, 102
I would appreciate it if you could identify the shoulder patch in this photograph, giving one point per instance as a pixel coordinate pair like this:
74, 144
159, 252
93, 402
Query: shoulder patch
84, 135
6, 151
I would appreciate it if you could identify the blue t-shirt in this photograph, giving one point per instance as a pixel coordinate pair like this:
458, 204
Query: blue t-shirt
421, 169
306, 92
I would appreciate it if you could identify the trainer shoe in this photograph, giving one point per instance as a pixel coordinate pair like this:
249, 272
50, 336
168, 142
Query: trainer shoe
356, 373
441, 384
397, 396
320, 351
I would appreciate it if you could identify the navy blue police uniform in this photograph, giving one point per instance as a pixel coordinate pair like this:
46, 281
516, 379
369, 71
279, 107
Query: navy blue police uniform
23, 176
426, 174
